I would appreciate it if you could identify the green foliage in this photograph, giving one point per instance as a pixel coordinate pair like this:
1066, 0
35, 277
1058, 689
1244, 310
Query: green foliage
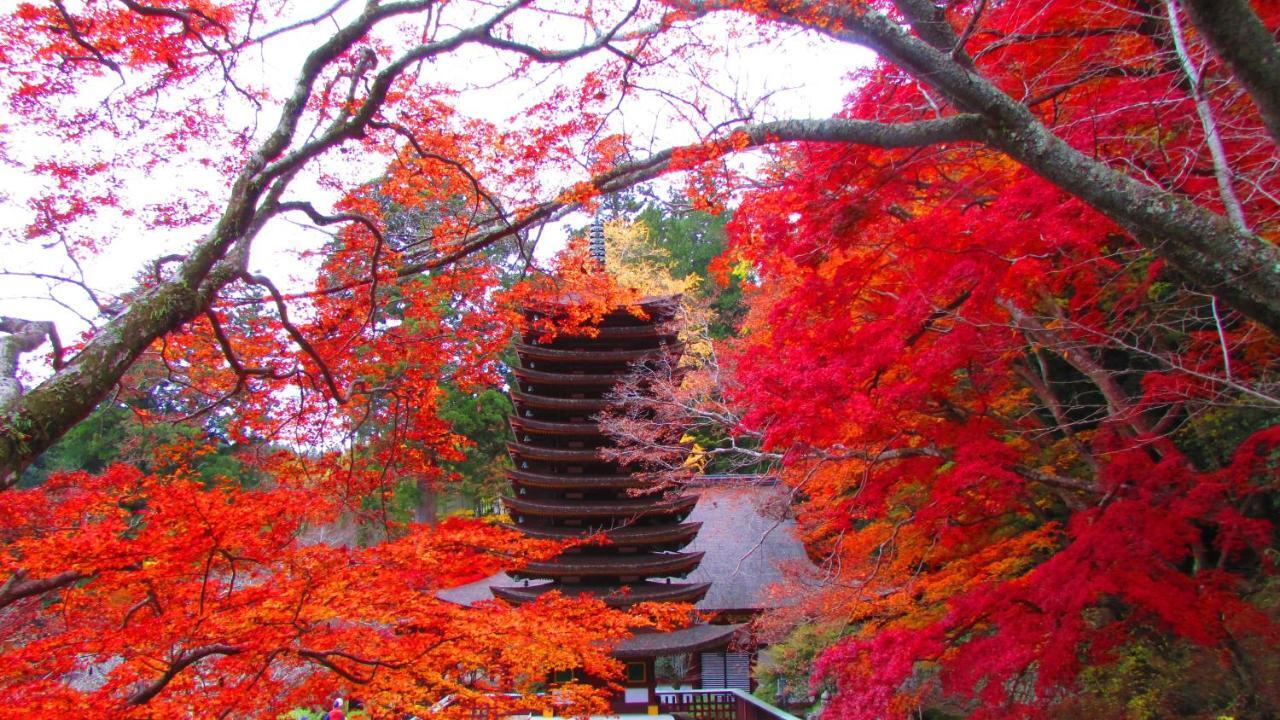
692, 239
1209, 438
789, 663
113, 433
1156, 677
92, 445
480, 417
475, 482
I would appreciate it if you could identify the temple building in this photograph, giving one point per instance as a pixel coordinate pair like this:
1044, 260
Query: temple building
561, 485
715, 544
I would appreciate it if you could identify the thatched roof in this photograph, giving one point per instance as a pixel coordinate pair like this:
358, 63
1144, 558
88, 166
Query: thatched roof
749, 542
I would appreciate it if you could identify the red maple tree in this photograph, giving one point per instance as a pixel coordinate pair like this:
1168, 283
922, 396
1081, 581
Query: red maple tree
1031, 448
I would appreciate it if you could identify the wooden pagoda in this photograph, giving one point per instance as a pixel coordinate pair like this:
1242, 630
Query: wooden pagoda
563, 487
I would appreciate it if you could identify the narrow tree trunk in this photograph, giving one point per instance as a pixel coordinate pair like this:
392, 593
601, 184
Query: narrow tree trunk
428, 503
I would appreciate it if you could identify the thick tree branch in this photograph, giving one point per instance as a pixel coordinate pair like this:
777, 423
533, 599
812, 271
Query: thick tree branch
184, 660
930, 23
18, 586
40, 417
957, 128
1238, 36
1205, 247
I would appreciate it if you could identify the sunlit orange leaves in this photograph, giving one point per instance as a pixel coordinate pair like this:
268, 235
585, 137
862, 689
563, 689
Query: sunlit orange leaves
161, 593
574, 295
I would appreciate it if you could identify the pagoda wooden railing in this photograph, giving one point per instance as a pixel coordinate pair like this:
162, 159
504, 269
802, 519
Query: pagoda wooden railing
729, 704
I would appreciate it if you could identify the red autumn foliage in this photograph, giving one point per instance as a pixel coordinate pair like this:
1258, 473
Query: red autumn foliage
997, 405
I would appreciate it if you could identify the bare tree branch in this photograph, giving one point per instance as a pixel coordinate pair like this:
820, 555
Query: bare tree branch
22, 336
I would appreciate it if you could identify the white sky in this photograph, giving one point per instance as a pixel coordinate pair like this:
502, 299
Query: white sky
809, 78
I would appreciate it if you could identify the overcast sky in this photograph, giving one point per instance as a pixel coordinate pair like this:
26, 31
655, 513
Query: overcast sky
809, 78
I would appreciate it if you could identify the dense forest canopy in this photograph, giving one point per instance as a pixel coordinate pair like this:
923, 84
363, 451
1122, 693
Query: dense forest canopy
1006, 325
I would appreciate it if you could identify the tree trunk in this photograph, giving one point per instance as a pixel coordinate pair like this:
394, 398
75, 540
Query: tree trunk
31, 423
428, 503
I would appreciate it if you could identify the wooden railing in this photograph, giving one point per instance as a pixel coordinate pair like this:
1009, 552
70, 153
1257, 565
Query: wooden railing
718, 705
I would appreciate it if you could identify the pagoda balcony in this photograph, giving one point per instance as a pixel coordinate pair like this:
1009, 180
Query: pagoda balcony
553, 481
655, 306
626, 536
612, 566
611, 332
629, 508
612, 595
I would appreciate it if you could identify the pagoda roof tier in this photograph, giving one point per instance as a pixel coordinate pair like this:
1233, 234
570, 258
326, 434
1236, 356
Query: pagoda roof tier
628, 508
584, 355
521, 399
612, 595
676, 642
535, 452
550, 427
660, 304
612, 565
615, 332
575, 482
638, 535
543, 377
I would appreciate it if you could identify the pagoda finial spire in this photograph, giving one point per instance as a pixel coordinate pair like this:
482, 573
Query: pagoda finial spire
596, 240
